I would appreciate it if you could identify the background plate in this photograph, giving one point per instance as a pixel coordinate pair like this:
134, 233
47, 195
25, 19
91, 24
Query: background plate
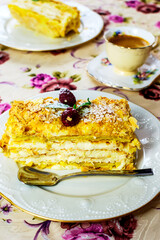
89, 198
15, 36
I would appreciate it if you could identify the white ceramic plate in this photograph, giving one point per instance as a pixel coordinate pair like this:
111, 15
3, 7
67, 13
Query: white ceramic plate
15, 36
89, 198
103, 72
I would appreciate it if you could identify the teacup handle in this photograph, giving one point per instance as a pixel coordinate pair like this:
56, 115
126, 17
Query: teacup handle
156, 43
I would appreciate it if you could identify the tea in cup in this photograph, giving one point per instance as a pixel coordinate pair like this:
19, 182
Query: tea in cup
128, 47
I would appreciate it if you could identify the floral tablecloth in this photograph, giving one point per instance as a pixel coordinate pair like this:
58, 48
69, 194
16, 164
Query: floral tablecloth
24, 74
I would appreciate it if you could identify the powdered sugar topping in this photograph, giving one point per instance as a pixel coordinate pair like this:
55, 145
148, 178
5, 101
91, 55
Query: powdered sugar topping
99, 112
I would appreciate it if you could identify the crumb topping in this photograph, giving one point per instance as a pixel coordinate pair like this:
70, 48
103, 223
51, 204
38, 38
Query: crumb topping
104, 117
96, 113
101, 109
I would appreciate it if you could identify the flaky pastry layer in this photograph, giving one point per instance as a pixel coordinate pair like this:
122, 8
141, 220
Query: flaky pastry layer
103, 119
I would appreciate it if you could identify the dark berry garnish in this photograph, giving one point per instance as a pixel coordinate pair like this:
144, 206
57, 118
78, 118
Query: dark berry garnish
66, 97
70, 117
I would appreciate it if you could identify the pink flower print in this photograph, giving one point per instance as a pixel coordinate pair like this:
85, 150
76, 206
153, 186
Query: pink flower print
9, 220
43, 228
101, 11
3, 57
93, 232
40, 80
4, 107
147, 8
120, 229
152, 92
56, 84
157, 24
132, 4
67, 225
6, 209
116, 18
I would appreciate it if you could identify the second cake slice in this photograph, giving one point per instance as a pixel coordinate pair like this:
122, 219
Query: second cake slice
48, 17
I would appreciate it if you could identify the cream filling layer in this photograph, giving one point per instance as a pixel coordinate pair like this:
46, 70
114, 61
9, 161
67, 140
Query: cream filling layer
69, 159
75, 154
68, 163
43, 147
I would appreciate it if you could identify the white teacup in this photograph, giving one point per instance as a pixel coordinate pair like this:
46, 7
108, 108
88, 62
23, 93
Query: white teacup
126, 60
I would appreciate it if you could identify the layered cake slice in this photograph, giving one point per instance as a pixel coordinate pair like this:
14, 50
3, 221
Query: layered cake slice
65, 134
48, 17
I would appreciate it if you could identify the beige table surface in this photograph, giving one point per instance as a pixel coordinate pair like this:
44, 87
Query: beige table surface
16, 70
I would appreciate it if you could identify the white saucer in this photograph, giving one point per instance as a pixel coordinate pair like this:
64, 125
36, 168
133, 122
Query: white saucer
16, 36
101, 69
